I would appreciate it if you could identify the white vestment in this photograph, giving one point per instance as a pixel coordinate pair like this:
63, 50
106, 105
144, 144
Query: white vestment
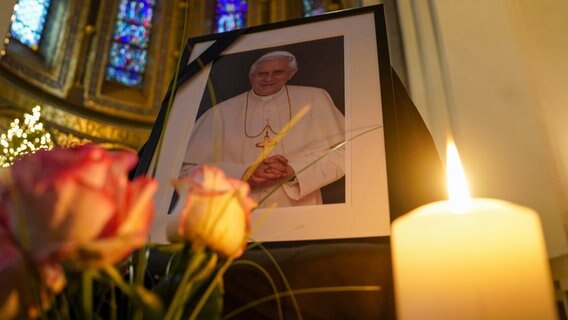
219, 138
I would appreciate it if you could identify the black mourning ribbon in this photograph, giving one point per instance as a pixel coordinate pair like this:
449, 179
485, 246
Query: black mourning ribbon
186, 72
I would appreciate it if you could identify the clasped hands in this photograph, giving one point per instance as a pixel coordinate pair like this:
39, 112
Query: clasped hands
271, 171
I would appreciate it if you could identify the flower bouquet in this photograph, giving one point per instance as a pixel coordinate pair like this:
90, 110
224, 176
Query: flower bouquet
74, 239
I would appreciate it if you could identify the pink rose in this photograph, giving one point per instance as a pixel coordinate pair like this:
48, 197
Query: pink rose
25, 288
213, 210
77, 206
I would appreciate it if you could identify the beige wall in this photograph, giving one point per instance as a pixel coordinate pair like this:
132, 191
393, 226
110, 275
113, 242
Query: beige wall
494, 73
541, 28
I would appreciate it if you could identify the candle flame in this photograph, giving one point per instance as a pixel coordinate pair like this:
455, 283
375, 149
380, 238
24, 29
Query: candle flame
458, 190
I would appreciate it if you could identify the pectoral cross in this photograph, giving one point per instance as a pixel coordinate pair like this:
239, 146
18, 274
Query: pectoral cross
265, 144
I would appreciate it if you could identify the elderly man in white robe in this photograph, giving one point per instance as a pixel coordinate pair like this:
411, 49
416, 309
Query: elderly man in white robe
236, 132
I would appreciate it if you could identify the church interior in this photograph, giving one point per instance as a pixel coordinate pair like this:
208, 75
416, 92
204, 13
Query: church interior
491, 73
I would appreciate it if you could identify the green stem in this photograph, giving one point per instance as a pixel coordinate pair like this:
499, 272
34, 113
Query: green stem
152, 170
113, 306
270, 281
141, 257
186, 284
316, 160
203, 299
87, 295
303, 291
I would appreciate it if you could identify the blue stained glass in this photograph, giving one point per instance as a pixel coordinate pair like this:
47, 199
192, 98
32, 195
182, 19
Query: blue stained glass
136, 12
313, 8
133, 34
125, 77
230, 15
28, 21
128, 55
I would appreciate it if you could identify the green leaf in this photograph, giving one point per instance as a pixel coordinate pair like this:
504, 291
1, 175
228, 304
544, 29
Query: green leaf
212, 308
149, 302
141, 298
191, 288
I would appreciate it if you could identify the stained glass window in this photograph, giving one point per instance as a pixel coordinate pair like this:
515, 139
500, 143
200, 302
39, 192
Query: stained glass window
128, 54
28, 21
230, 15
313, 8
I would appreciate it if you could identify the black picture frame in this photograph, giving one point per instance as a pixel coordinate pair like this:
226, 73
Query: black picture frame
365, 90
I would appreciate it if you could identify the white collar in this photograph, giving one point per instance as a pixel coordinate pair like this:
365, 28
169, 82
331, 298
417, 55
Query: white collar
267, 98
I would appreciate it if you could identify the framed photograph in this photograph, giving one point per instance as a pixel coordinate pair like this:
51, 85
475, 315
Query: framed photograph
239, 107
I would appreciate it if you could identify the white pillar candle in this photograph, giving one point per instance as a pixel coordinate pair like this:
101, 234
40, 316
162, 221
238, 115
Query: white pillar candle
480, 259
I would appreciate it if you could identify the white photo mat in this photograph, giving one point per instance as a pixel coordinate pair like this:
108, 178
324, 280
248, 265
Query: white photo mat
365, 212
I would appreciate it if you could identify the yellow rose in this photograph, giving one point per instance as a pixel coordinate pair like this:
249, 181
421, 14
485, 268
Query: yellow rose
213, 210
